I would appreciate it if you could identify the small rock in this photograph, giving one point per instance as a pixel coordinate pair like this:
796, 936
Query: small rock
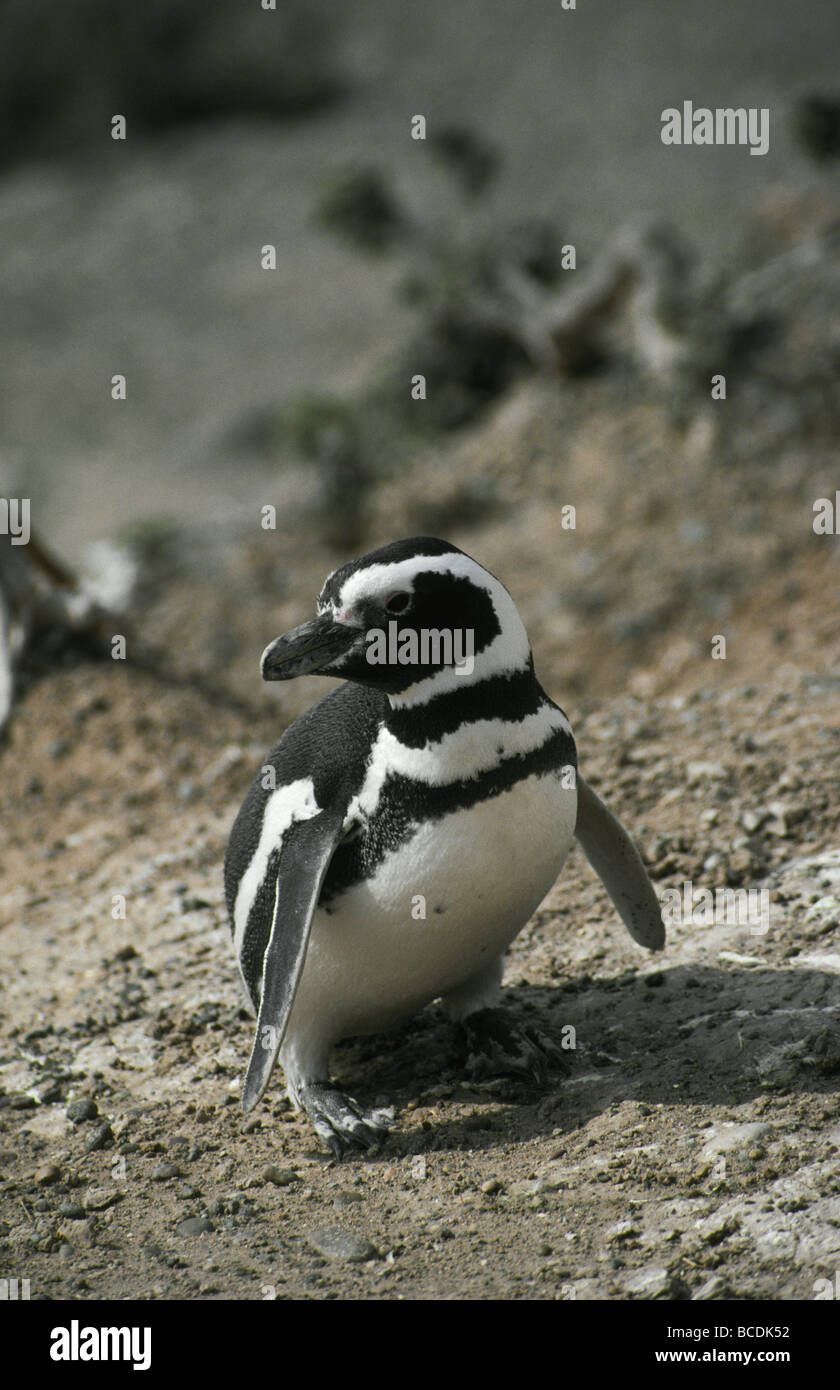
80, 1110
100, 1198
712, 1289
716, 1228
99, 1138
726, 1138
22, 1102
733, 958
72, 1211
554, 1177
624, 1230
528, 1187
490, 1186
48, 1174
280, 1177
335, 1244
164, 1171
346, 1198
741, 864
704, 772
649, 1282
194, 1226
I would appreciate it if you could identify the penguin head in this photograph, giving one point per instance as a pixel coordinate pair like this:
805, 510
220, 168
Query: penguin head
414, 619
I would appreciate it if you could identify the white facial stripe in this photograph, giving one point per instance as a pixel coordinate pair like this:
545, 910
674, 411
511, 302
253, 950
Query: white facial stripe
459, 755
294, 802
510, 651
377, 581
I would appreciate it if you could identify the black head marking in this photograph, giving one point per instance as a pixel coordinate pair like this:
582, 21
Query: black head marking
391, 554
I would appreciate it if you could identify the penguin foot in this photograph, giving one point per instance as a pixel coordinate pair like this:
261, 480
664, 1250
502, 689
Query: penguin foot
500, 1045
340, 1121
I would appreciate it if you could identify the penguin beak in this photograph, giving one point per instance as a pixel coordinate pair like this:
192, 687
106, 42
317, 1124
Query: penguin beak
311, 647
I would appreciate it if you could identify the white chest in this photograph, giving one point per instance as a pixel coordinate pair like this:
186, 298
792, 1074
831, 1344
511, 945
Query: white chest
438, 910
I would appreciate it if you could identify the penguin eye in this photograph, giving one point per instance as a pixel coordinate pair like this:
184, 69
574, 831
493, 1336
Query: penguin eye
398, 602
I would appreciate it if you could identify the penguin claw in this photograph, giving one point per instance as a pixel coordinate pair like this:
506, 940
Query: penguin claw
500, 1045
339, 1120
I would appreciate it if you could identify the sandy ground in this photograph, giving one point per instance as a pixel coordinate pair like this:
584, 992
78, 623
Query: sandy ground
690, 1151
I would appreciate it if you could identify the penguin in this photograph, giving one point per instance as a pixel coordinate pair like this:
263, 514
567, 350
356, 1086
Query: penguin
406, 827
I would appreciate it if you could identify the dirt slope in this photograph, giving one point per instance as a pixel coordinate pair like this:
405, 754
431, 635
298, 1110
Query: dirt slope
691, 1151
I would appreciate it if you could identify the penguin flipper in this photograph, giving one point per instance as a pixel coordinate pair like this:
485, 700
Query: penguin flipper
304, 861
617, 862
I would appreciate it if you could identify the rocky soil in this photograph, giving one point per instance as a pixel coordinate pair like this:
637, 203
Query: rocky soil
692, 1149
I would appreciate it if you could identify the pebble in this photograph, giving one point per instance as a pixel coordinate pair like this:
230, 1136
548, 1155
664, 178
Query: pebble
726, 1138
490, 1186
22, 1102
99, 1138
716, 1228
194, 1226
100, 1198
164, 1171
281, 1177
72, 1211
623, 1230
649, 1282
49, 1173
346, 1198
704, 771
713, 1288
80, 1110
528, 1187
335, 1244
733, 958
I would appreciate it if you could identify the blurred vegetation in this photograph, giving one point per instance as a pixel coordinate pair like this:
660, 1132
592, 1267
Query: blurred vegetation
469, 156
466, 343
67, 66
817, 126
358, 205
